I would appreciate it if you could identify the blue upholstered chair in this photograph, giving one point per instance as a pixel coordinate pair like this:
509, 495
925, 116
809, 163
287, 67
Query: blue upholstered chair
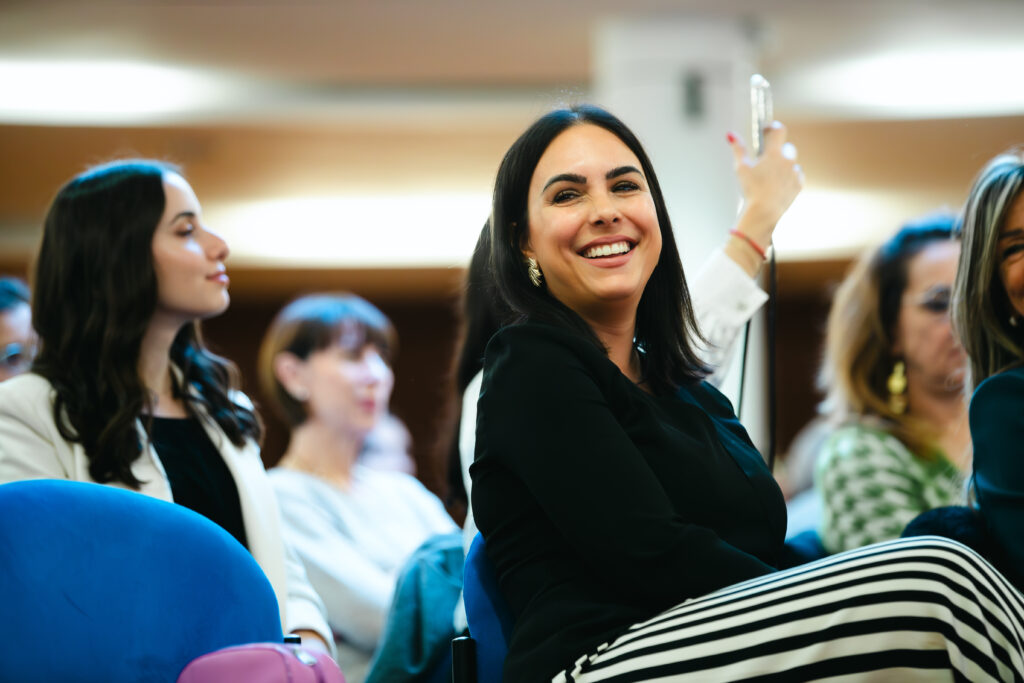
102, 584
489, 617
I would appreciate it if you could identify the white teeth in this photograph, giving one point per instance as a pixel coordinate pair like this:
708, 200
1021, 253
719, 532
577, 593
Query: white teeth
607, 250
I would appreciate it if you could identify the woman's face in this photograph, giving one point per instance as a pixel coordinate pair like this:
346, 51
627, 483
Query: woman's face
924, 335
593, 227
1010, 250
348, 388
17, 340
188, 258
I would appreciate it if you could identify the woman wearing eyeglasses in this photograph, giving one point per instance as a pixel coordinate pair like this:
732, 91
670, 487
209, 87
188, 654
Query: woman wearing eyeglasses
893, 374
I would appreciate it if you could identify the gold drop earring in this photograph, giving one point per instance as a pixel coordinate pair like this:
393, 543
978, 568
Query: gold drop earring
897, 385
533, 271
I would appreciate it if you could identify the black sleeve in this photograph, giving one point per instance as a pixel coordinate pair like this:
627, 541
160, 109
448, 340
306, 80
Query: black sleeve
545, 415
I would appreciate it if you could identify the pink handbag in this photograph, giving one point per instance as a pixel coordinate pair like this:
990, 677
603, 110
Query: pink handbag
262, 663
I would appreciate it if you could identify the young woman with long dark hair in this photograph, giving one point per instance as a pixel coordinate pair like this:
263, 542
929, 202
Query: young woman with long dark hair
123, 391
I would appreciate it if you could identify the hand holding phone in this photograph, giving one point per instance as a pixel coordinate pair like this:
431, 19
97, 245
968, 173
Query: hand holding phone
769, 176
761, 115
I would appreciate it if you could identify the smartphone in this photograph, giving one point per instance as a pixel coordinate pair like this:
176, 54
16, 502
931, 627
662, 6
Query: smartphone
761, 115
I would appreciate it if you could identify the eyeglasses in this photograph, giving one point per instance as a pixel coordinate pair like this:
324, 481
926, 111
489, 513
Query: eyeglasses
936, 300
16, 357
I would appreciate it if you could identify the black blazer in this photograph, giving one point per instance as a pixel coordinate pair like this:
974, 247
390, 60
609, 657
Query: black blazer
603, 505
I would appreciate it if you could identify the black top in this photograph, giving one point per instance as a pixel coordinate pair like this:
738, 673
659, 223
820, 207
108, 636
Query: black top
200, 480
997, 433
603, 505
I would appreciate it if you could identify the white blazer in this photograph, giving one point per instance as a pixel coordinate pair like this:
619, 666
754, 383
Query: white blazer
31, 447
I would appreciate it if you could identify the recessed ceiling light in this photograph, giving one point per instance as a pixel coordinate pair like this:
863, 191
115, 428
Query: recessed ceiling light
85, 92
930, 82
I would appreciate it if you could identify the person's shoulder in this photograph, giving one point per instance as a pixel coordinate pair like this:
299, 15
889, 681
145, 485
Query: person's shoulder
25, 393
995, 409
27, 384
858, 439
862, 429
296, 491
1008, 381
388, 479
710, 398
538, 333
402, 487
533, 357
287, 480
541, 345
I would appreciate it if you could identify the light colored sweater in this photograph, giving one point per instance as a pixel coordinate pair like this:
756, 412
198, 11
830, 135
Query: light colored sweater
354, 543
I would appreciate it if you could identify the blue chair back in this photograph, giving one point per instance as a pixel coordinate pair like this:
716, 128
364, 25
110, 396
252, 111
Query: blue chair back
102, 584
489, 617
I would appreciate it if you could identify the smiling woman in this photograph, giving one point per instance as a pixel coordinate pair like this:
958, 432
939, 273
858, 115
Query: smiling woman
539, 180
636, 532
123, 391
593, 225
988, 313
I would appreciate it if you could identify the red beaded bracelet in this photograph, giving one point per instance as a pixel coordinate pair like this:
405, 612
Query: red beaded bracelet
753, 245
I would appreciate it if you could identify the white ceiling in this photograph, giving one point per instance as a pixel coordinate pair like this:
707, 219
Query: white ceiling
344, 60
352, 65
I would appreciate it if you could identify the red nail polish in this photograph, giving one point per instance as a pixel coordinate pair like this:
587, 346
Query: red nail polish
730, 137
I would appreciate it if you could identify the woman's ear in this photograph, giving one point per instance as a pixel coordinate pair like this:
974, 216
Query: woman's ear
524, 247
289, 370
895, 342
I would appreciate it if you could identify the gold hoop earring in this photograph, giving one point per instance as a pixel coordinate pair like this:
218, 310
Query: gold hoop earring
533, 270
897, 385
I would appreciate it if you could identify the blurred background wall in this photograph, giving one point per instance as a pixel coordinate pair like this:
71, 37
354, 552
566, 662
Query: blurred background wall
351, 144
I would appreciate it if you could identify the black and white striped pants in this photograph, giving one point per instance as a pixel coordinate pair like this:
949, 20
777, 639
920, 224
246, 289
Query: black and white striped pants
913, 609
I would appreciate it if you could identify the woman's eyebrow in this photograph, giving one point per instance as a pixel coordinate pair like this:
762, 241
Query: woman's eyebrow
1013, 232
940, 288
621, 170
582, 180
571, 177
183, 214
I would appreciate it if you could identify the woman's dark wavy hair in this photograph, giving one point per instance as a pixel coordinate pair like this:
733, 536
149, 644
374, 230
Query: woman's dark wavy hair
483, 313
665, 323
94, 293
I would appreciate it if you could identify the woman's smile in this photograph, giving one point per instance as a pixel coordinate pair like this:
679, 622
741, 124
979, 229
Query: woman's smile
607, 254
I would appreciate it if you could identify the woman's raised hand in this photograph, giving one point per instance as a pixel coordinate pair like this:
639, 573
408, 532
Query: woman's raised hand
769, 183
